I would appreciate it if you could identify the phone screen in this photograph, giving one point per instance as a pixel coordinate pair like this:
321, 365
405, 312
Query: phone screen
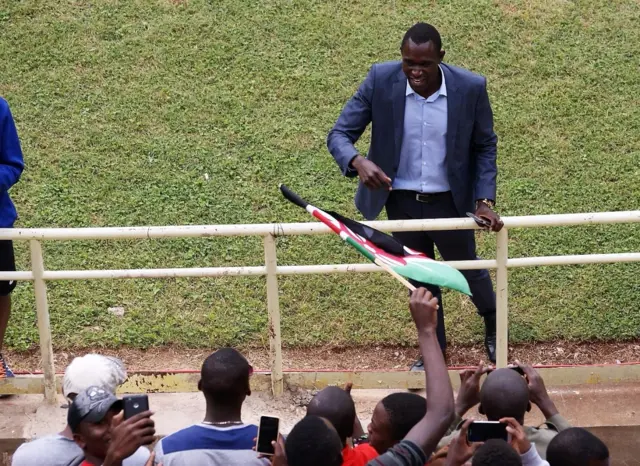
483, 431
267, 433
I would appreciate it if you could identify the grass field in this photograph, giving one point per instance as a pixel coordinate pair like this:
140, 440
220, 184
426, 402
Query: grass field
158, 112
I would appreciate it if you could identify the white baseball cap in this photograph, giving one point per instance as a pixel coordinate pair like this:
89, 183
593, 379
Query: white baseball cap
93, 370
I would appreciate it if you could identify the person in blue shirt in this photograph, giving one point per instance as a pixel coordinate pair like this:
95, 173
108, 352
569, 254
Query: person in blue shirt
11, 166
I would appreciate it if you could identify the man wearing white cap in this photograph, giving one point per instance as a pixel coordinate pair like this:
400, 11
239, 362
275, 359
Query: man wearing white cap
61, 449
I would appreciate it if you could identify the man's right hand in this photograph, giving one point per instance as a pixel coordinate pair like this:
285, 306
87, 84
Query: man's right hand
469, 393
370, 174
129, 435
424, 309
538, 394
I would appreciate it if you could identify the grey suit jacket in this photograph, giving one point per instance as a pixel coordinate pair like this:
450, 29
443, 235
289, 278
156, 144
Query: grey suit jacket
380, 100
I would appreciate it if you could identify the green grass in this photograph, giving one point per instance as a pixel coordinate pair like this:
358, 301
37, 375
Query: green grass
124, 106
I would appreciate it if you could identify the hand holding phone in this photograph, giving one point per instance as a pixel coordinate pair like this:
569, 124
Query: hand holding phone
267, 434
480, 221
481, 431
135, 404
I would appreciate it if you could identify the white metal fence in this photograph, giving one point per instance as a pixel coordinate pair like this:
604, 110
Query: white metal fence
271, 270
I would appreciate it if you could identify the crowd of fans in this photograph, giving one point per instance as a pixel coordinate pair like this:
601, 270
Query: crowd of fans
405, 429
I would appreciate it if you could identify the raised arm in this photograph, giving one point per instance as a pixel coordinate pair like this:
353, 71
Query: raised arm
428, 432
11, 162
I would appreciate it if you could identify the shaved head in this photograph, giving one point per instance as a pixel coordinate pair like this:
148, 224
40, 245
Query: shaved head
505, 393
335, 405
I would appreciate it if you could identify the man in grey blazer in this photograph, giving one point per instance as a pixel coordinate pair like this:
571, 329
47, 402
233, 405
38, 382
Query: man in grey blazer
432, 155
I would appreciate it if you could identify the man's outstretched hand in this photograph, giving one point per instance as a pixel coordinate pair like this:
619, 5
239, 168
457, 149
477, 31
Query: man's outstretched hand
127, 435
486, 213
424, 310
370, 174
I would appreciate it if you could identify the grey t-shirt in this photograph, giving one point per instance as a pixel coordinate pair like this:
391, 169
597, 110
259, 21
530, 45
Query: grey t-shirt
405, 453
56, 450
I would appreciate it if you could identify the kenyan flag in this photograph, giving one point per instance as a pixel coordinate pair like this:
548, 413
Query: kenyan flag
380, 247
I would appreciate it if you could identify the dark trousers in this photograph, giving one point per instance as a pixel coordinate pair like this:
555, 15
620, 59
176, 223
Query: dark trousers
453, 245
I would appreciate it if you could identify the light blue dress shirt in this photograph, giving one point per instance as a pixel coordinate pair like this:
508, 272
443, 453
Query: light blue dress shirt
422, 164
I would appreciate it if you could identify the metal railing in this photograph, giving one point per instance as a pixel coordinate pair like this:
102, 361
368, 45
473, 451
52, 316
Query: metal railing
39, 275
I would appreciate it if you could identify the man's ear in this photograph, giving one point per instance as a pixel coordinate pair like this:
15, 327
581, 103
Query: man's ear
200, 385
442, 52
481, 409
79, 441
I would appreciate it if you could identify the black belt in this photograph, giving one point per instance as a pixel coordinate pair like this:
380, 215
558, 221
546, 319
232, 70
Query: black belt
423, 197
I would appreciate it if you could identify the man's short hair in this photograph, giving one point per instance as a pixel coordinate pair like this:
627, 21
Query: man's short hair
576, 447
336, 406
496, 452
405, 410
313, 442
225, 375
421, 33
505, 393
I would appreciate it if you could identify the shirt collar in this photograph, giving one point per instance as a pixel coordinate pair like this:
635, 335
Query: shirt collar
439, 92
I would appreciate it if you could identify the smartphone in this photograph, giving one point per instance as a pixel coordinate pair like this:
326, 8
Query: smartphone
517, 369
478, 220
481, 431
267, 433
135, 404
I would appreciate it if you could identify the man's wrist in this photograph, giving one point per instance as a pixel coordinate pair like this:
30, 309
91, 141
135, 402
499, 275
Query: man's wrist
487, 202
111, 460
427, 331
548, 408
461, 410
355, 161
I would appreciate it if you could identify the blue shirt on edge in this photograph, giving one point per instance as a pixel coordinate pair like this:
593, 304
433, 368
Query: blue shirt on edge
11, 164
422, 166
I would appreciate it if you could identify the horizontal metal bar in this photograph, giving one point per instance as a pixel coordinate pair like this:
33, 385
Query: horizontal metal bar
574, 259
313, 269
308, 228
221, 271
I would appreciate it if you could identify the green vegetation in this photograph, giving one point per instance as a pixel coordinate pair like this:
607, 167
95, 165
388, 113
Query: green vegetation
125, 108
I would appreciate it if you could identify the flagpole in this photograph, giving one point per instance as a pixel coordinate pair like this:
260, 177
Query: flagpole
395, 274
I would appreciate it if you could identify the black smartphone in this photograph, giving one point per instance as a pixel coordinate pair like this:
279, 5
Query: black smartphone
134, 404
517, 369
478, 220
481, 431
267, 433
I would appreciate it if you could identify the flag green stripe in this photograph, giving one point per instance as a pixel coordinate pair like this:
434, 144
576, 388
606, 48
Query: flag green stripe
435, 273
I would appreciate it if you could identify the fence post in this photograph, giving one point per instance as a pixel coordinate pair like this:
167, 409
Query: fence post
273, 306
44, 327
502, 309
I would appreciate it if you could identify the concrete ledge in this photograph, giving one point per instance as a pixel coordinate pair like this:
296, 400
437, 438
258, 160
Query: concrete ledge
611, 410
186, 381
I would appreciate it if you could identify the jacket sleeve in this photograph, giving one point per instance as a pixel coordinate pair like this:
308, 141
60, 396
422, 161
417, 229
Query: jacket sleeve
11, 162
558, 422
484, 148
352, 122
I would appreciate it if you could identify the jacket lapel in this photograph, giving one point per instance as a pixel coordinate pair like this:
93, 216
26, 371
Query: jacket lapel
454, 102
398, 97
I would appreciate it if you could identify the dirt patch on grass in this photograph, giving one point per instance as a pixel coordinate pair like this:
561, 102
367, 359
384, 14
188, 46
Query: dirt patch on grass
350, 358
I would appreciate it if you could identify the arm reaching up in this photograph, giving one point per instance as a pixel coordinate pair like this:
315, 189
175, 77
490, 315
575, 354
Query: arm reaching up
428, 432
423, 438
